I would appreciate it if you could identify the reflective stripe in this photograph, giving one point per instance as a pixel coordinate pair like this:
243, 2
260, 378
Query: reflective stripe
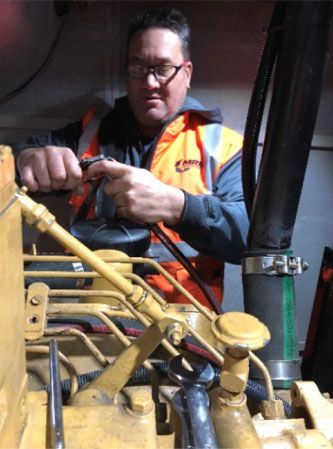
87, 149
89, 132
211, 146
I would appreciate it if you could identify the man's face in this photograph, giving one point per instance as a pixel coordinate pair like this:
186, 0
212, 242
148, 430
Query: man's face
154, 102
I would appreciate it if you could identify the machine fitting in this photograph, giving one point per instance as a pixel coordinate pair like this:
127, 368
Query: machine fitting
274, 265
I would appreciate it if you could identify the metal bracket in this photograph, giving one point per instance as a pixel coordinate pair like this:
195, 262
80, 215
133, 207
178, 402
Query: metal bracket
274, 265
35, 310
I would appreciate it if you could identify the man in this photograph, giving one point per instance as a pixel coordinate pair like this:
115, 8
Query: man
175, 164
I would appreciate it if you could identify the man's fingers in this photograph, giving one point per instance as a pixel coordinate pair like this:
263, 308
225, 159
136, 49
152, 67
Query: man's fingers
41, 173
64, 169
73, 170
114, 187
33, 169
57, 170
28, 179
123, 213
112, 169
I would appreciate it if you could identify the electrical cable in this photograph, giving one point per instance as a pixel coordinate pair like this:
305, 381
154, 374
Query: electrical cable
253, 389
257, 104
178, 254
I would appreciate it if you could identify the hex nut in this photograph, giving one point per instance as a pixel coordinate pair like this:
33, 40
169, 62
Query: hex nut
141, 401
272, 409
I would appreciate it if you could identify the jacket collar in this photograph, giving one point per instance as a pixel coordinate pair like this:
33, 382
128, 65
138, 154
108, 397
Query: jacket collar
190, 105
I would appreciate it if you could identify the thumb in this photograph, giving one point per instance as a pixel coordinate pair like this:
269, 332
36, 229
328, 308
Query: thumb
112, 169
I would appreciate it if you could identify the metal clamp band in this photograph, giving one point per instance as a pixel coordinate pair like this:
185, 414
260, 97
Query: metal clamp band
279, 370
274, 265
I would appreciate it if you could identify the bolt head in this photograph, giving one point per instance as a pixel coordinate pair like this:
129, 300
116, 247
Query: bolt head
141, 401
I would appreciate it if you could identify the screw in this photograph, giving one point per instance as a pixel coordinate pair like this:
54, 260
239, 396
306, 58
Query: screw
35, 300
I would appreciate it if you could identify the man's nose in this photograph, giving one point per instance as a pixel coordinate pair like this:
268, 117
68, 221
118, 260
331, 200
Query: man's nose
151, 82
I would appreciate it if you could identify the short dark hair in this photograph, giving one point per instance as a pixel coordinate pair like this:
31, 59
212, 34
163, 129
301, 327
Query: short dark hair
169, 18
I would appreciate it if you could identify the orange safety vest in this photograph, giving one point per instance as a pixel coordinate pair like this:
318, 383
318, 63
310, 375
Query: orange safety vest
189, 154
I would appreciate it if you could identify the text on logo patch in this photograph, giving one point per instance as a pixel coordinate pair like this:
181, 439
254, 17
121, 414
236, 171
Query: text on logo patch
186, 164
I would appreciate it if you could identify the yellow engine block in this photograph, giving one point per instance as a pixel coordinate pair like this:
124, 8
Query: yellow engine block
111, 411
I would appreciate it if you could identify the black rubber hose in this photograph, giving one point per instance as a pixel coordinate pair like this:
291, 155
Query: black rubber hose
257, 104
168, 243
254, 390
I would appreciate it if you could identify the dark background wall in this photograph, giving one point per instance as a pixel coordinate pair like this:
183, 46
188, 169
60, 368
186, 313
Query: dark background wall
87, 62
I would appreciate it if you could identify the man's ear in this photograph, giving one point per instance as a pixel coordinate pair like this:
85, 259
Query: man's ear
188, 70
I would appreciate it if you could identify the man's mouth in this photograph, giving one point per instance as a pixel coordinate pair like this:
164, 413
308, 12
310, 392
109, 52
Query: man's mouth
153, 98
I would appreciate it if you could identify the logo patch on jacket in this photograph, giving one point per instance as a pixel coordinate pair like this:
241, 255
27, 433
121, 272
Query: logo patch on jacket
185, 164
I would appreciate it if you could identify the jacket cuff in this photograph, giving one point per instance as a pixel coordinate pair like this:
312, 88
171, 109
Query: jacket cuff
195, 208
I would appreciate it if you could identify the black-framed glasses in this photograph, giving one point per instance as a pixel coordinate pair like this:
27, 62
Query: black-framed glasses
162, 72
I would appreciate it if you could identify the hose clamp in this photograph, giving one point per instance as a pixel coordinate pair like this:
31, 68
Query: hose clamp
280, 370
274, 265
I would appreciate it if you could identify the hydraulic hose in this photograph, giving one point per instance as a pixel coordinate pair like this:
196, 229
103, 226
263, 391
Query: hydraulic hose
291, 121
168, 243
257, 105
254, 390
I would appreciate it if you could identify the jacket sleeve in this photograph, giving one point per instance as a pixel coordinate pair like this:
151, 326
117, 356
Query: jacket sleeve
217, 224
64, 137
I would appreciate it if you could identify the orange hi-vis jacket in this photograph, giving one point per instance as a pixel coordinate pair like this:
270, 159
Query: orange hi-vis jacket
191, 153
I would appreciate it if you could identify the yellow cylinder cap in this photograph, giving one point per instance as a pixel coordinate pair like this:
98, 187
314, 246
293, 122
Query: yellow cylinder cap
240, 330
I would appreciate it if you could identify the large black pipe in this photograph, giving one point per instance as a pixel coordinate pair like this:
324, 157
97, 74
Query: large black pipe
295, 100
292, 117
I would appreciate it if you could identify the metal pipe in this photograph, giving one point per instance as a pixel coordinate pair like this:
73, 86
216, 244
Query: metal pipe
56, 420
99, 356
292, 116
209, 314
41, 349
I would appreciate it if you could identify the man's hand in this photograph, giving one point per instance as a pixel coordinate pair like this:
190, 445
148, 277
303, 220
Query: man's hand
138, 195
49, 168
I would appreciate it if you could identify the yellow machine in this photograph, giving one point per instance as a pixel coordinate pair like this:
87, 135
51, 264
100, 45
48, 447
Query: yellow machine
116, 409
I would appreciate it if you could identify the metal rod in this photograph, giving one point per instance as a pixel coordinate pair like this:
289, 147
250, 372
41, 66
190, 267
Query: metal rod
70, 309
56, 420
134, 260
73, 374
266, 376
89, 344
103, 312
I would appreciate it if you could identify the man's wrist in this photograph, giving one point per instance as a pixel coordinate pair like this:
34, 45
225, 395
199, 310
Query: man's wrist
176, 207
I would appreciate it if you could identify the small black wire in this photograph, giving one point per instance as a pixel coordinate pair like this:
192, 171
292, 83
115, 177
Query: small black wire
168, 243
